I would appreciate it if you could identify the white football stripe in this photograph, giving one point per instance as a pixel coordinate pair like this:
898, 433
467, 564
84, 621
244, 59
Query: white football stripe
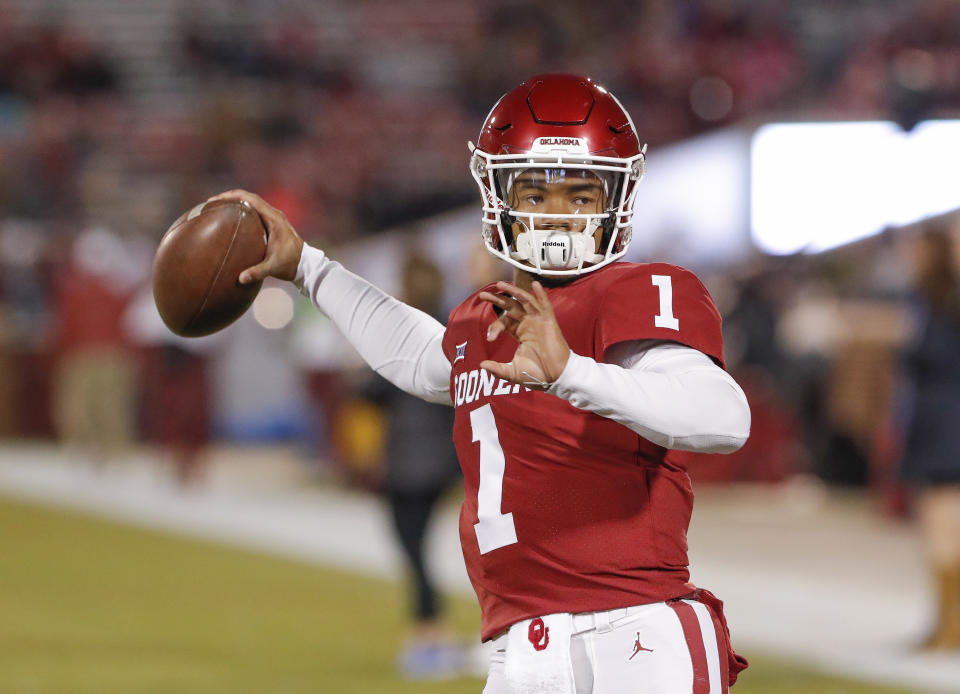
195, 212
709, 634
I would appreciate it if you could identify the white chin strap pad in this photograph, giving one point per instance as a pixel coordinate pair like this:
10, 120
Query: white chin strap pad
555, 250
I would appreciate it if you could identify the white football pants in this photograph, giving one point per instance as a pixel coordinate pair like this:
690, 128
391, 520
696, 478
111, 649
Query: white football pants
661, 648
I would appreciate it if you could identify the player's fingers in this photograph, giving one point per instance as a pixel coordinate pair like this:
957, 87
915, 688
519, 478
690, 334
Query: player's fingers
496, 299
500, 326
494, 330
503, 324
505, 371
270, 215
527, 299
239, 194
509, 305
542, 299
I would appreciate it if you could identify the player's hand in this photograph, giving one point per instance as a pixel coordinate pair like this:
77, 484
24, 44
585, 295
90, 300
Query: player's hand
543, 352
284, 244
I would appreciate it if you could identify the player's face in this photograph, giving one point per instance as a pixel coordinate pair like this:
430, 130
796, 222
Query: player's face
560, 192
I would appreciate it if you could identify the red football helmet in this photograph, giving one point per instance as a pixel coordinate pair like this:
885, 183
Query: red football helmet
558, 127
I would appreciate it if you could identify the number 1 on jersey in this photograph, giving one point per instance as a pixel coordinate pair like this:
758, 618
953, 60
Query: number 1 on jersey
665, 319
494, 529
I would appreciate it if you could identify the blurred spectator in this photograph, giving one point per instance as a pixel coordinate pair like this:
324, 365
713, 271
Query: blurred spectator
353, 115
930, 461
95, 382
420, 466
174, 388
50, 60
176, 407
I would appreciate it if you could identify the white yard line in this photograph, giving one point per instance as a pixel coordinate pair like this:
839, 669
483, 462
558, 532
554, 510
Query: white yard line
837, 589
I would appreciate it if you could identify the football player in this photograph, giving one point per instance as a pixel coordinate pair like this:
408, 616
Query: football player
573, 385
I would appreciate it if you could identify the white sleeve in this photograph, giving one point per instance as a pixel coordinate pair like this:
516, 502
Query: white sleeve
670, 394
399, 342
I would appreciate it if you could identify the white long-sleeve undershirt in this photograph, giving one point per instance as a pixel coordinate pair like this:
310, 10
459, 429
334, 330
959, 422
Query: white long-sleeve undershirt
399, 342
670, 394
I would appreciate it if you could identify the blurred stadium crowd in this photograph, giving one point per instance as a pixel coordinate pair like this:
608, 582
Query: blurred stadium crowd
353, 117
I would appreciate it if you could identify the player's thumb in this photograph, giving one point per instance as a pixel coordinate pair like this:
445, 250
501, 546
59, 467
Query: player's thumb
498, 369
255, 273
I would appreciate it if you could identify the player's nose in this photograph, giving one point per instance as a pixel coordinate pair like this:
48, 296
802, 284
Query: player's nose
558, 223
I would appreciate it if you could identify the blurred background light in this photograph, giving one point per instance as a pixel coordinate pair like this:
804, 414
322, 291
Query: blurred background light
273, 308
915, 68
693, 207
816, 186
711, 98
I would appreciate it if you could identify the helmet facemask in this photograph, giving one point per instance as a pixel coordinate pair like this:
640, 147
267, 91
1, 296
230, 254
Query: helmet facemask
552, 243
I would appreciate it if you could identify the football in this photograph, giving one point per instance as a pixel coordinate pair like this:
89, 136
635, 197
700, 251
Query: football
198, 263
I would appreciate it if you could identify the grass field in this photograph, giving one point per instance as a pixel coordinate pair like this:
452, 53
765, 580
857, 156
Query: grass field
100, 608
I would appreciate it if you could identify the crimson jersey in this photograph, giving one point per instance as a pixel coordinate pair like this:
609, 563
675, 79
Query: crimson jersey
565, 510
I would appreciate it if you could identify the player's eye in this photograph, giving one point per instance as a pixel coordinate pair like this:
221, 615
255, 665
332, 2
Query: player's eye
533, 198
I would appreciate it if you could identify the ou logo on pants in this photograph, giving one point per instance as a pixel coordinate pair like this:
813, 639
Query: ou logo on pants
539, 634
